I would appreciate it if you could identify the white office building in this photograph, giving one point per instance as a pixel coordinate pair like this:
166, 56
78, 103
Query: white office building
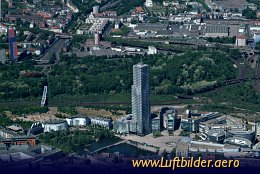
55, 125
78, 121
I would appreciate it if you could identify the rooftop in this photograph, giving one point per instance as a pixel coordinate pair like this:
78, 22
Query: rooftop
239, 141
79, 116
55, 121
231, 3
216, 29
101, 118
151, 27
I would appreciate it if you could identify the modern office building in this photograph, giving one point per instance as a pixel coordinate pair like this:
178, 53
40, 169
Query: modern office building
242, 142
170, 120
141, 106
257, 128
13, 51
156, 126
36, 128
102, 122
78, 121
216, 136
55, 125
125, 125
191, 124
249, 134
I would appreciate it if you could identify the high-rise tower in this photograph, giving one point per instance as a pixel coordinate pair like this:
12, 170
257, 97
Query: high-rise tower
141, 106
13, 52
0, 10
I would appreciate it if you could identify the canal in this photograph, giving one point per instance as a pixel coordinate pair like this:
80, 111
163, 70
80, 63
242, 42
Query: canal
125, 149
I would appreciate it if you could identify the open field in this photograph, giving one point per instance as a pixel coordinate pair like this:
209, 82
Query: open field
100, 112
50, 115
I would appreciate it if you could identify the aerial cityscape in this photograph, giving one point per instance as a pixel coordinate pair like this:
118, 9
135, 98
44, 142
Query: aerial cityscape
98, 83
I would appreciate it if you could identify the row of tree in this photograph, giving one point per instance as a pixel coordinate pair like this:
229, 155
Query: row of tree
69, 141
170, 74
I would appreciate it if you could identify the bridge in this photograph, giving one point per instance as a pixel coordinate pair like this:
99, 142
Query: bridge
44, 96
109, 146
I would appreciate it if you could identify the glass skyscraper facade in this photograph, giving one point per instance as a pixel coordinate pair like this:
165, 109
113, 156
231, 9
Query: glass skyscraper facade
141, 104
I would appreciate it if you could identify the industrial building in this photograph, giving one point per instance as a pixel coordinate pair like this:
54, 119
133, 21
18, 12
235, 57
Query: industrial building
141, 105
55, 125
144, 29
78, 121
232, 5
216, 31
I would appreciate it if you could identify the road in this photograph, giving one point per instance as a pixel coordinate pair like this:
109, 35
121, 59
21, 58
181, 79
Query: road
257, 74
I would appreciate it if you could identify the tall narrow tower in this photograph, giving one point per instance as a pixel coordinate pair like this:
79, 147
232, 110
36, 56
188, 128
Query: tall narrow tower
0, 10
141, 106
13, 52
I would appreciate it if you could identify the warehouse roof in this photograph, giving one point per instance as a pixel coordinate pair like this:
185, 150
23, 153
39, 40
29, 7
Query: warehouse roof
216, 29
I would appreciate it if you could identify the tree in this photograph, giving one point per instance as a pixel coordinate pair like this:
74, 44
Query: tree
249, 13
53, 58
257, 47
154, 20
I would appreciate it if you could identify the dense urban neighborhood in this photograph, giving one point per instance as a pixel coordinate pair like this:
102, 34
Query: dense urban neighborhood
88, 83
